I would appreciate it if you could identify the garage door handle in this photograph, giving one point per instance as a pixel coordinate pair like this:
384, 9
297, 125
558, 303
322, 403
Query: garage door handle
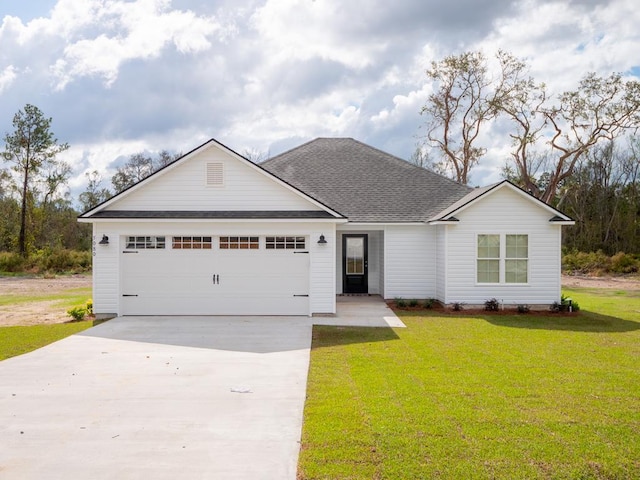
127, 295
216, 279
301, 295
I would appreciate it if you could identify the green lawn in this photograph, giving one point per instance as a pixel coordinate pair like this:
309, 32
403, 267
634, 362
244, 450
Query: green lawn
473, 397
18, 340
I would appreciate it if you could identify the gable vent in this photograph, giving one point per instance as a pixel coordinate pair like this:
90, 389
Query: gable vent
215, 177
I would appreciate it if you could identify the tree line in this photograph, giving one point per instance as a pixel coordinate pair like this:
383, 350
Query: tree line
37, 211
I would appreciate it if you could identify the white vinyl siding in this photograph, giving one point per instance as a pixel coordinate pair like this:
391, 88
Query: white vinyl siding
441, 262
504, 212
106, 274
184, 187
410, 261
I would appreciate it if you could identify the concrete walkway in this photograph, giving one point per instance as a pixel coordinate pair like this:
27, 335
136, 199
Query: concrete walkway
164, 398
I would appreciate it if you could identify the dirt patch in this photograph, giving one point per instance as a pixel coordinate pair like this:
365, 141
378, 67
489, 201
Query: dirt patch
38, 312
620, 283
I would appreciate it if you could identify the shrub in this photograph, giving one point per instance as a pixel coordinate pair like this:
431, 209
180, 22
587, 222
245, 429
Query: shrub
77, 313
400, 302
582, 262
457, 306
624, 263
492, 305
413, 302
429, 303
523, 309
89, 307
11, 262
64, 260
564, 304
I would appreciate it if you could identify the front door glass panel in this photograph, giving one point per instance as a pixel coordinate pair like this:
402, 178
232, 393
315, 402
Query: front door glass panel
355, 256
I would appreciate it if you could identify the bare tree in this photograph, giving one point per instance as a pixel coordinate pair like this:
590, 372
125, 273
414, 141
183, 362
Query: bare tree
466, 98
600, 109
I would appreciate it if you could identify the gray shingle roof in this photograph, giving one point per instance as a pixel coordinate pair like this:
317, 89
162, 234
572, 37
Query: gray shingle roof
363, 183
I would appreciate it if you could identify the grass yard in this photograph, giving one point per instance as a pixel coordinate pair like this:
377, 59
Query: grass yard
475, 397
22, 339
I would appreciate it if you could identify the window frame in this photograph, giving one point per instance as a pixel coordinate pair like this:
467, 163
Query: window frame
504, 260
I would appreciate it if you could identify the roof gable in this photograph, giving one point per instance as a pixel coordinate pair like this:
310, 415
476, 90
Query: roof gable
364, 183
190, 184
448, 214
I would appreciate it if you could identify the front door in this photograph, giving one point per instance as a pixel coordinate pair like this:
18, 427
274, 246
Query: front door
354, 264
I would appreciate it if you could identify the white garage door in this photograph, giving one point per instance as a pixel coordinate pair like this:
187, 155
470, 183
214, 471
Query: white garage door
215, 276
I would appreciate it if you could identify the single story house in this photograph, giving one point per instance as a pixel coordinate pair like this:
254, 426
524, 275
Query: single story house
215, 234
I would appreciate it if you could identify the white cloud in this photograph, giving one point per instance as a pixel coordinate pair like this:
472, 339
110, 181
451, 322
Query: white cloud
7, 77
131, 31
304, 29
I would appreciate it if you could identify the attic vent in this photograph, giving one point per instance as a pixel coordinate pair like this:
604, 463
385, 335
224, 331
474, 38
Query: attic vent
214, 175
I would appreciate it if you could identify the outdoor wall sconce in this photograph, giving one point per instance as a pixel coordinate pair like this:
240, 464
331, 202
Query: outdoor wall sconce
322, 241
104, 241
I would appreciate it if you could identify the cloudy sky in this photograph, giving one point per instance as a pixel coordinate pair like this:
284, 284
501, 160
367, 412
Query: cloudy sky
120, 77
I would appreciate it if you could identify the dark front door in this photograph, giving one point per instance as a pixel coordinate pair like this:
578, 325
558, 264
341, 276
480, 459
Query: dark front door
354, 264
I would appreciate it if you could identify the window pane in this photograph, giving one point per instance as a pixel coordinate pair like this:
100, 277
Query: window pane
517, 246
515, 271
488, 246
488, 271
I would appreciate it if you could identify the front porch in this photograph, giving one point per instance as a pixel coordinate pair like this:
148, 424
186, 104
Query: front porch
360, 261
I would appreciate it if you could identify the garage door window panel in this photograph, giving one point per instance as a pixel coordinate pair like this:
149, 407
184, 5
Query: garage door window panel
285, 243
239, 243
146, 243
192, 243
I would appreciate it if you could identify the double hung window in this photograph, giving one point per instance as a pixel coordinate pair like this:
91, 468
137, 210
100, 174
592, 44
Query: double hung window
502, 258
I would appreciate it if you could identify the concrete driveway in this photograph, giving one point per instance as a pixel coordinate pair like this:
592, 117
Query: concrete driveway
158, 398
166, 398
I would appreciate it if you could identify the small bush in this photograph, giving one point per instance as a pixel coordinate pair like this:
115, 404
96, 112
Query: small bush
400, 302
457, 306
523, 309
492, 305
429, 303
564, 305
77, 313
413, 302
89, 307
